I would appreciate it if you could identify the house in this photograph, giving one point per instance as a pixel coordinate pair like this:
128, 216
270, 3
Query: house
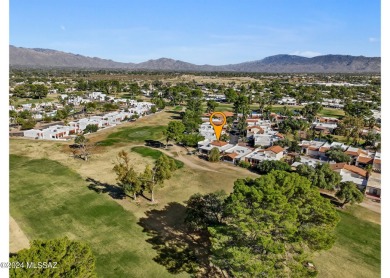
351, 173
307, 161
354, 153
267, 138
325, 128
259, 155
373, 188
254, 129
207, 130
312, 148
288, 101
376, 164
99, 96
236, 153
56, 132
274, 151
220, 145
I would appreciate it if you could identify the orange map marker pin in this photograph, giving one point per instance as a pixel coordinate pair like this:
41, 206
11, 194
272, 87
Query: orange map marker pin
218, 128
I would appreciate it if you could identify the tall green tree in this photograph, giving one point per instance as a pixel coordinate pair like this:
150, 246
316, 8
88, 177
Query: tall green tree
71, 258
211, 105
241, 105
271, 226
148, 181
321, 176
358, 109
338, 156
206, 210
191, 120
127, 177
174, 131
214, 155
162, 170
349, 193
267, 166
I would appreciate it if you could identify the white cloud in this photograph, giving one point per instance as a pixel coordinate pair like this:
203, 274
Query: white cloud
62, 27
308, 54
373, 39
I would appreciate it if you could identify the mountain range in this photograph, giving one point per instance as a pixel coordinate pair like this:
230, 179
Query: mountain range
47, 58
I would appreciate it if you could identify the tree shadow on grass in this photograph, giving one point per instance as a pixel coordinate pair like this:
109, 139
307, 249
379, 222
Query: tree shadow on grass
114, 191
178, 248
332, 199
177, 115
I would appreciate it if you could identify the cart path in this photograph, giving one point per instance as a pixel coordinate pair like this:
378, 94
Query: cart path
17, 238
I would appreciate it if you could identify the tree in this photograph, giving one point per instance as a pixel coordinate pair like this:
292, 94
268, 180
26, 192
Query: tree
85, 147
351, 127
162, 170
241, 105
271, 225
28, 123
126, 176
211, 105
214, 155
67, 258
322, 176
267, 166
147, 181
244, 164
358, 109
349, 193
191, 140
294, 147
206, 210
174, 131
311, 110
191, 120
90, 128
338, 156
242, 125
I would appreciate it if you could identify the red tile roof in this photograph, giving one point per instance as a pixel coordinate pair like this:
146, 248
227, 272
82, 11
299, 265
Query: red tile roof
218, 143
231, 155
364, 159
351, 168
275, 149
324, 149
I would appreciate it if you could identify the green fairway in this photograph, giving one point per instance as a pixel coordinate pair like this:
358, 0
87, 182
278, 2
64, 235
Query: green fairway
134, 134
155, 154
357, 251
178, 108
48, 200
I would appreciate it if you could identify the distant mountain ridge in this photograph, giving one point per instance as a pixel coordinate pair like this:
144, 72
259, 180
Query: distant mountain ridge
283, 63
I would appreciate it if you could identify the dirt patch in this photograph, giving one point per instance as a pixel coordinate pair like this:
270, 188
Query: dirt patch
17, 239
371, 205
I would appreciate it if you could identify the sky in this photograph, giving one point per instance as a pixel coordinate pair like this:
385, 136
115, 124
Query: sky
200, 31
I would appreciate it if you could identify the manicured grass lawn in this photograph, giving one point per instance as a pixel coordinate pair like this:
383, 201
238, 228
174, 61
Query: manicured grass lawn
357, 251
48, 98
48, 200
178, 108
155, 154
134, 134
329, 112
